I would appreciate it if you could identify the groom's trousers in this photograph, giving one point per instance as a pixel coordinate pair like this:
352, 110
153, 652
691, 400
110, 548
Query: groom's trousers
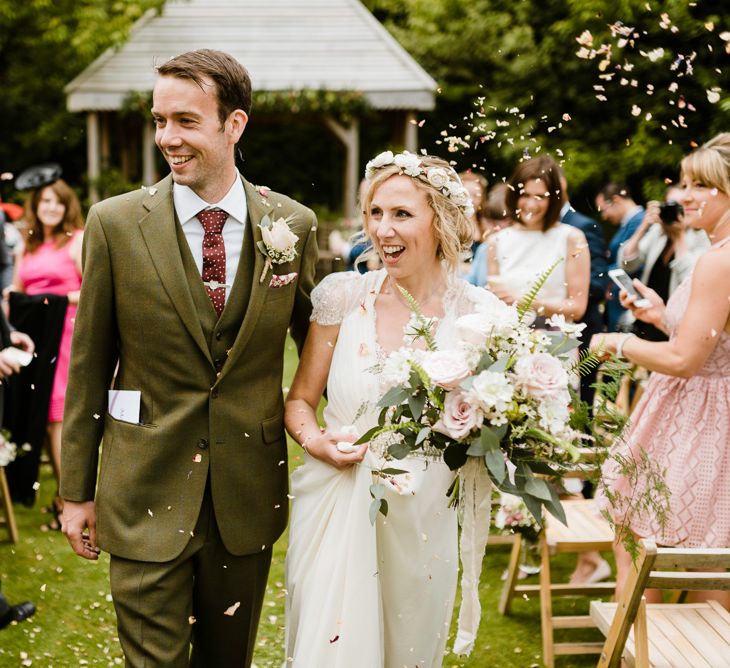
206, 595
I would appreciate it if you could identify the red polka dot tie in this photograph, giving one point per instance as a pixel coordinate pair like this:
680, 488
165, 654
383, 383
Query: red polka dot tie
214, 256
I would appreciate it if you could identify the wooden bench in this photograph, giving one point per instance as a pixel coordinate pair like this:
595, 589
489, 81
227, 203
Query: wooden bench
676, 635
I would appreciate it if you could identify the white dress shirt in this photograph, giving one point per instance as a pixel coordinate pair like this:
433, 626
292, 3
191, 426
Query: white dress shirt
188, 204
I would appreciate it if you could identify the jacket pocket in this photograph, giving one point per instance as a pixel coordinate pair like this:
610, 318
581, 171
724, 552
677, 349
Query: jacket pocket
272, 429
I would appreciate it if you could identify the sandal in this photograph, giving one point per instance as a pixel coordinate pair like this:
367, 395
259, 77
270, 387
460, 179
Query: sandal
55, 523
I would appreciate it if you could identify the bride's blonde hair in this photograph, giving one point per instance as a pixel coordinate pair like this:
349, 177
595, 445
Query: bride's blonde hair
451, 226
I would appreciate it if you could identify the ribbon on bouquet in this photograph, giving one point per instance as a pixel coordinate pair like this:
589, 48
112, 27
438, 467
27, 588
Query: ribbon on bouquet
475, 500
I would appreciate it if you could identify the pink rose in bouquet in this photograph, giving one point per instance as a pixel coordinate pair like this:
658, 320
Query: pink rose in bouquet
541, 375
460, 416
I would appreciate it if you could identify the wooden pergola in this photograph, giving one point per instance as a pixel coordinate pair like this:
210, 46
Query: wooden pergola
287, 45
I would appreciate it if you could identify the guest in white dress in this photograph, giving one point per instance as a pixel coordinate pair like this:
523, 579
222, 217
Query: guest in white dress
519, 254
363, 595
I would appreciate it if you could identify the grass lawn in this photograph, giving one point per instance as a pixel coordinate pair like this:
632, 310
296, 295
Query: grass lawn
75, 623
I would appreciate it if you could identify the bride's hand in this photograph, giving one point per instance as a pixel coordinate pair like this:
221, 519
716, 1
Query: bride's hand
324, 447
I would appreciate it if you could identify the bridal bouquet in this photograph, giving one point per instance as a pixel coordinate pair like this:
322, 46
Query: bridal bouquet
501, 395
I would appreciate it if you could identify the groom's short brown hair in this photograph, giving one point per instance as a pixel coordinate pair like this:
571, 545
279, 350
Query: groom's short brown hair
231, 79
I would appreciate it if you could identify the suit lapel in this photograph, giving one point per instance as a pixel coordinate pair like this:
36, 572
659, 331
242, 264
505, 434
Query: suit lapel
158, 231
258, 207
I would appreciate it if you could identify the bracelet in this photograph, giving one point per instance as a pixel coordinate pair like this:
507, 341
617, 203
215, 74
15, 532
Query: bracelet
620, 345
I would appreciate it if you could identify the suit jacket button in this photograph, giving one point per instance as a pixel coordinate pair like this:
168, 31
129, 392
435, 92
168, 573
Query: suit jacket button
218, 336
203, 444
219, 364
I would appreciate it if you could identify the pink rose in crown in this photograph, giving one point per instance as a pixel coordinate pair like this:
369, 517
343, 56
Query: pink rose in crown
446, 368
279, 281
460, 416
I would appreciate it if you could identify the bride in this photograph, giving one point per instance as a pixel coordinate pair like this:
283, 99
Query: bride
363, 596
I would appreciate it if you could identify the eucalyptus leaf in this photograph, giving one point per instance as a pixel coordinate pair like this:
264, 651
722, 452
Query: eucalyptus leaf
538, 487
476, 449
265, 221
367, 436
489, 438
399, 450
394, 396
455, 456
500, 365
534, 506
416, 404
392, 471
423, 435
374, 509
494, 460
377, 490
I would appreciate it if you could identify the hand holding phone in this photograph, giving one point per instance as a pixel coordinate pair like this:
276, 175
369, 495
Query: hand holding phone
623, 280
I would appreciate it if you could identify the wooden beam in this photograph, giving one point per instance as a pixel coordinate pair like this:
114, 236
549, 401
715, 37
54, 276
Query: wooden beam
93, 155
410, 132
349, 136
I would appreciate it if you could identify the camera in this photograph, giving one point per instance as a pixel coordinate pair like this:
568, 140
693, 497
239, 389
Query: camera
670, 212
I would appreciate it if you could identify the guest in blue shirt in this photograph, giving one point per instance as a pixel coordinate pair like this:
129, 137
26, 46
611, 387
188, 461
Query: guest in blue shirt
616, 206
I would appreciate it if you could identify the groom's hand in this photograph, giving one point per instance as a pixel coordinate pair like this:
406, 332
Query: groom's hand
78, 523
324, 447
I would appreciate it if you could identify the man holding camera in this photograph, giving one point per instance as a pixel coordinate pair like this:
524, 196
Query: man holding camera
667, 249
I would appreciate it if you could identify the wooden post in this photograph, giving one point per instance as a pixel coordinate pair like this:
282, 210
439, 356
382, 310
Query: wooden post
149, 173
410, 132
7, 505
350, 138
92, 155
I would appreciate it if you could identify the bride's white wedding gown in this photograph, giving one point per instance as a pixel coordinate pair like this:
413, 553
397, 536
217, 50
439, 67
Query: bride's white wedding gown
364, 596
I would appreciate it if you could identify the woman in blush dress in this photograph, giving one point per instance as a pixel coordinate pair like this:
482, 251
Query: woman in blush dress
364, 596
51, 264
683, 418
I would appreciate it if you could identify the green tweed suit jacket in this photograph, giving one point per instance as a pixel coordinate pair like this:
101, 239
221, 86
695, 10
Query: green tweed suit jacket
211, 397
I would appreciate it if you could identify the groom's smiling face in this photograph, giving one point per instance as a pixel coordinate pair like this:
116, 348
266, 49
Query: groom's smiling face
197, 146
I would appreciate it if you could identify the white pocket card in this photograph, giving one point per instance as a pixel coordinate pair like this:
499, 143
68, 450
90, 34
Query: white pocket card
124, 405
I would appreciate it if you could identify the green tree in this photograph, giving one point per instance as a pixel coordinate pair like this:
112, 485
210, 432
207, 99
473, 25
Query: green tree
43, 45
512, 83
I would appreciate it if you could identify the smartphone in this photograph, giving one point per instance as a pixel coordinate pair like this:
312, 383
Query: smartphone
623, 280
20, 356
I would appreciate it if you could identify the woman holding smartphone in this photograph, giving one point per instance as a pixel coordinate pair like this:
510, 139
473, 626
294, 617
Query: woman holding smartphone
683, 418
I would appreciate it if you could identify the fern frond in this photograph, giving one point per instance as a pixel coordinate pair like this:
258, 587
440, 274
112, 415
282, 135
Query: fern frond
529, 298
424, 324
587, 361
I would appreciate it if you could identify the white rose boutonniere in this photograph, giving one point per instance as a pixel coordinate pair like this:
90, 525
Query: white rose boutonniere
278, 242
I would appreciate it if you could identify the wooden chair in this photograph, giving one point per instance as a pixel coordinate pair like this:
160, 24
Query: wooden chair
586, 531
6, 503
691, 635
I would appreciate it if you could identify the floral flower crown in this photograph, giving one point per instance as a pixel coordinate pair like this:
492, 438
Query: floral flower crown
444, 179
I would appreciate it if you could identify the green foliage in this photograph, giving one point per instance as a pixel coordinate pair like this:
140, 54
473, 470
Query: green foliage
512, 85
527, 301
43, 46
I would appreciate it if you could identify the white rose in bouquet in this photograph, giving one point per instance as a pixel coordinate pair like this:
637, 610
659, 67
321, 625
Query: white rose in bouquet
409, 163
568, 328
554, 414
492, 390
397, 368
541, 375
446, 368
278, 237
380, 160
460, 416
493, 318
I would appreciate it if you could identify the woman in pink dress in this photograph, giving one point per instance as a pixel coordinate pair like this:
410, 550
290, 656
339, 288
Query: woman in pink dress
51, 264
683, 418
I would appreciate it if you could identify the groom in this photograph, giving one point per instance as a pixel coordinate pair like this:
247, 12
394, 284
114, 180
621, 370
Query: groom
190, 304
